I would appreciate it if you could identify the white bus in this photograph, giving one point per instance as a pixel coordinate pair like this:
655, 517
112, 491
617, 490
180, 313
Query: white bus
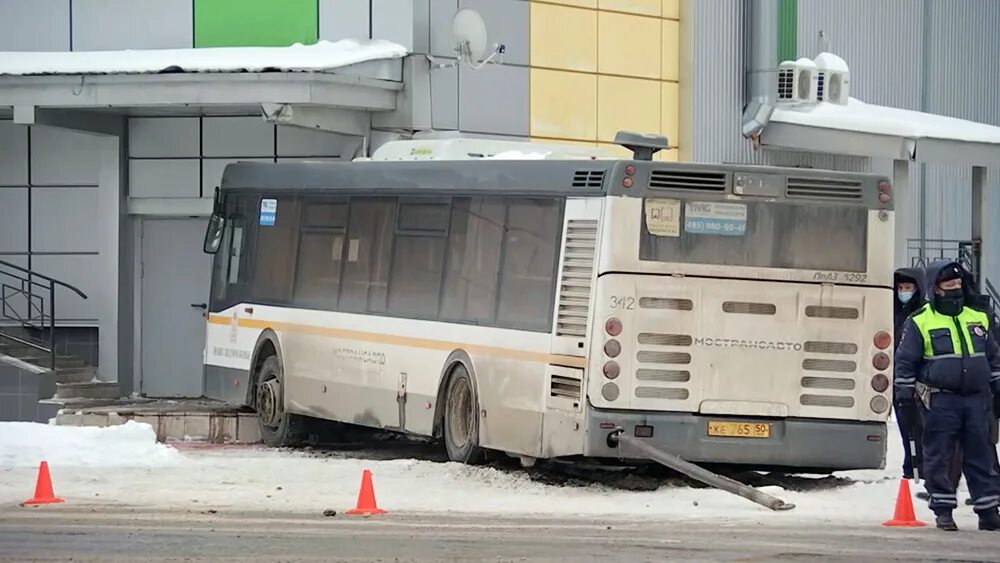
529, 300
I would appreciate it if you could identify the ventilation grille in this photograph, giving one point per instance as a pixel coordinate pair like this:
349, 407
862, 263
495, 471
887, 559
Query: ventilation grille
650, 357
824, 188
663, 375
827, 401
562, 386
688, 180
661, 393
817, 311
832, 383
577, 273
745, 308
841, 366
821, 86
821, 347
786, 80
666, 303
588, 178
657, 339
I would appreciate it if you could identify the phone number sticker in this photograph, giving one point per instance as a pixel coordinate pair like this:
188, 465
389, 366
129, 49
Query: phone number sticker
712, 218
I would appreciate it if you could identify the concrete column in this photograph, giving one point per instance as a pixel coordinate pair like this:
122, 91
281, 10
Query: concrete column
902, 194
982, 229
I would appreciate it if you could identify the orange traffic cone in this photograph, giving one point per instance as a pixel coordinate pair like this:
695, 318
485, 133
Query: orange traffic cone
43, 488
904, 508
366, 497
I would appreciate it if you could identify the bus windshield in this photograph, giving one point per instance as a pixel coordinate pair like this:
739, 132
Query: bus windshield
757, 234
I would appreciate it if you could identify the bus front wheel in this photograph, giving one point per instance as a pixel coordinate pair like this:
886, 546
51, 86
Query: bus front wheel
461, 420
277, 427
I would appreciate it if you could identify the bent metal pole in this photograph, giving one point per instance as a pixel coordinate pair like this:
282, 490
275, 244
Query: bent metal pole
700, 473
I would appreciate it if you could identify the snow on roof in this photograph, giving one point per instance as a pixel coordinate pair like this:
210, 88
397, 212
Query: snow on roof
322, 56
883, 120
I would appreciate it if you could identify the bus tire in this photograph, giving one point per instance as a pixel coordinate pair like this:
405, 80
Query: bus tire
277, 427
461, 418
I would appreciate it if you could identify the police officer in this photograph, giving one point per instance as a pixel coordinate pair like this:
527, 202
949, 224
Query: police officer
909, 299
948, 360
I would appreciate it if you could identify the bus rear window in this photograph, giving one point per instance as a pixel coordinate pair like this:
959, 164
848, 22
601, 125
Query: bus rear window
757, 234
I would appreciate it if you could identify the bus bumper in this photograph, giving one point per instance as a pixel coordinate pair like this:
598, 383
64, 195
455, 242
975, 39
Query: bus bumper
817, 444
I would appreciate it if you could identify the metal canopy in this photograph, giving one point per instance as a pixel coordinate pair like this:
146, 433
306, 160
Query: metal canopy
882, 132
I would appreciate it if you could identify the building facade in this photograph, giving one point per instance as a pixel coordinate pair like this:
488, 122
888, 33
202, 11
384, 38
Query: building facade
572, 71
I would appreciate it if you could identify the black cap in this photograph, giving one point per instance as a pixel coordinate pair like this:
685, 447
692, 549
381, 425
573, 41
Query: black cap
950, 272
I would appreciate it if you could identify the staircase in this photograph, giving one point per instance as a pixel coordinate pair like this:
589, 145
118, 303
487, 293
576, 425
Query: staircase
968, 253
35, 380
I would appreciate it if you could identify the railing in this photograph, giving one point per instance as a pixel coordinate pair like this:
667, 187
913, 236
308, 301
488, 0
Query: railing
24, 295
922, 253
994, 303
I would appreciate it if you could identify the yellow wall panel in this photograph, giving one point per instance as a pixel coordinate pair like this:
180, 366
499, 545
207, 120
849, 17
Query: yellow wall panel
647, 7
563, 37
563, 104
626, 103
671, 50
581, 3
670, 112
616, 150
672, 9
628, 45
669, 155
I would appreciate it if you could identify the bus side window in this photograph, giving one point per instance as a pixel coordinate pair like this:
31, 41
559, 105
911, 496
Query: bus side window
527, 276
275, 252
473, 261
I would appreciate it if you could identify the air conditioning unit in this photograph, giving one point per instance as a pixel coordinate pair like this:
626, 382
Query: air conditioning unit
797, 82
834, 79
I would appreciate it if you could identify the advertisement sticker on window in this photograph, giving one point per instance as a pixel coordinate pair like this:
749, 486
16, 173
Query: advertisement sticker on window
714, 218
268, 212
663, 217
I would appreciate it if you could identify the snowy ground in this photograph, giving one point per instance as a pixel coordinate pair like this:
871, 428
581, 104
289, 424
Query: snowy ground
124, 466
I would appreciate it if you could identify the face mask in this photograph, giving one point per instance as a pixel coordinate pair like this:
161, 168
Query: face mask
951, 302
905, 296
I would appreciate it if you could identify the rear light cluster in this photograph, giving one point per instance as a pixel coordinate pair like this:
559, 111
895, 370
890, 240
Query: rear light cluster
612, 348
881, 360
884, 191
629, 172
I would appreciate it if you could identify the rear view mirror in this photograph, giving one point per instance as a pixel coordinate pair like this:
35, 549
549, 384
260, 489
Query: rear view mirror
213, 234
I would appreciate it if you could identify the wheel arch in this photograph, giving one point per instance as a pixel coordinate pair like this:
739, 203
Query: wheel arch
455, 359
268, 344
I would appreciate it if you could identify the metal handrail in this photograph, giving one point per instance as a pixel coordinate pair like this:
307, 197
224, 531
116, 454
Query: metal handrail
29, 281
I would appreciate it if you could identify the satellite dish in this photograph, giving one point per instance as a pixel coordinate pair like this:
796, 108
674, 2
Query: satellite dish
468, 31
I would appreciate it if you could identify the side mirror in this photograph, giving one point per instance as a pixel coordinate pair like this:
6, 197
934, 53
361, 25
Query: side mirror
213, 234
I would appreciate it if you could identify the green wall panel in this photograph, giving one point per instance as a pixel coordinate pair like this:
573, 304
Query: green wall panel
788, 29
239, 23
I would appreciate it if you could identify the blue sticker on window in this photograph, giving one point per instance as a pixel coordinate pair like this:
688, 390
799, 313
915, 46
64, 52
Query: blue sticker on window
711, 218
268, 211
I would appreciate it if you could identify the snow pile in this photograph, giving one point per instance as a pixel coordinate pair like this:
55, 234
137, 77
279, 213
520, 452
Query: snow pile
324, 55
884, 120
133, 444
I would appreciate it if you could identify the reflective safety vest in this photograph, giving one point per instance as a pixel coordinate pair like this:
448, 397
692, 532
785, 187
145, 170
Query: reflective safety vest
933, 325
954, 350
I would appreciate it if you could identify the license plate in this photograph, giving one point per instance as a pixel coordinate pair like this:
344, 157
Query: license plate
739, 429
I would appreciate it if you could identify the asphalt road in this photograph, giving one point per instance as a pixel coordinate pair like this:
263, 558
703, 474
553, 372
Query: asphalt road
63, 533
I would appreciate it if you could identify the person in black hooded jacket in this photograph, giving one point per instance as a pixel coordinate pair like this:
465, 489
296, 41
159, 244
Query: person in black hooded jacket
909, 298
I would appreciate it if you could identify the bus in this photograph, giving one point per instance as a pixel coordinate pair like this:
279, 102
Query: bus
527, 299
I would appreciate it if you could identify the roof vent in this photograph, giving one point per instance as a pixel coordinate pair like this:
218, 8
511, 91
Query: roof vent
672, 179
588, 178
824, 188
642, 145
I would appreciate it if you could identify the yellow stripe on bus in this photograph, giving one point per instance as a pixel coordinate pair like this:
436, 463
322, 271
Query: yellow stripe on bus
381, 338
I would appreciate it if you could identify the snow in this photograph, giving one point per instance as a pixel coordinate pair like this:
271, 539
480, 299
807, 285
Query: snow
518, 155
324, 55
258, 478
25, 444
884, 120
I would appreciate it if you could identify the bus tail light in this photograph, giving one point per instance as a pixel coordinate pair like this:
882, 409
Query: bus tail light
882, 340
612, 369
880, 382
609, 391
884, 191
613, 327
612, 348
881, 361
879, 404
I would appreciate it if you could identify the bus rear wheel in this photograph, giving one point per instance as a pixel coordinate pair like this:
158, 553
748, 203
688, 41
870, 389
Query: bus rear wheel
461, 419
277, 427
